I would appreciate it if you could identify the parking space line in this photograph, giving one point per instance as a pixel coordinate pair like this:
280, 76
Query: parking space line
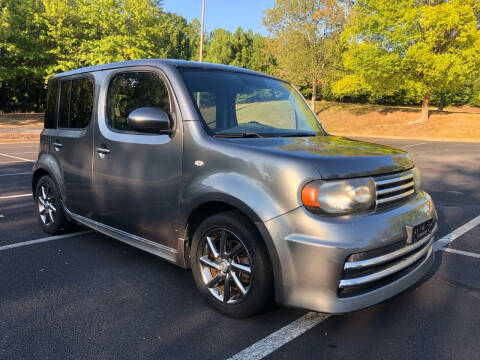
280, 337
23, 152
455, 234
16, 157
20, 173
462, 252
14, 196
42, 240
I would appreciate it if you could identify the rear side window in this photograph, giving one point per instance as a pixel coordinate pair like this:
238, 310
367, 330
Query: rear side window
132, 90
51, 110
76, 104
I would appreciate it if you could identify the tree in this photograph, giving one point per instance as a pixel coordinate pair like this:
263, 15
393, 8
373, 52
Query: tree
88, 32
23, 55
427, 46
304, 39
242, 48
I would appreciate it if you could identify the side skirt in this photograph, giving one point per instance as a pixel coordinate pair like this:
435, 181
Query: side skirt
149, 246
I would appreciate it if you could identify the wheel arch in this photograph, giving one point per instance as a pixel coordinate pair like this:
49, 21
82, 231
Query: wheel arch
47, 165
214, 204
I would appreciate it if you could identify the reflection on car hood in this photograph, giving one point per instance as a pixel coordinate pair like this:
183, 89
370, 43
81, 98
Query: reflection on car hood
335, 156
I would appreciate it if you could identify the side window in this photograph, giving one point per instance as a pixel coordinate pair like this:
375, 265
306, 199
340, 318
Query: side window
81, 103
64, 111
132, 90
51, 110
76, 104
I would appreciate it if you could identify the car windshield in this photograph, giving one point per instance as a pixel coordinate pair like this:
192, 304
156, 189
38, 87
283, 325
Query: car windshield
235, 104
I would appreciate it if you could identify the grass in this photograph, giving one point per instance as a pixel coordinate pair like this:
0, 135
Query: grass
452, 124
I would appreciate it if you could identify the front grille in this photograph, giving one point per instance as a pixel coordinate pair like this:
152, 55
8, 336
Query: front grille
370, 270
394, 187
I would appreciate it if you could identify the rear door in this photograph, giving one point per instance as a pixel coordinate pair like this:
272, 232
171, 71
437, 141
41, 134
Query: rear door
72, 141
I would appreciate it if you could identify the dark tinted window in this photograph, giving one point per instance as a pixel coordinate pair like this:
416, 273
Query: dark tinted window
133, 90
76, 103
64, 110
51, 110
81, 103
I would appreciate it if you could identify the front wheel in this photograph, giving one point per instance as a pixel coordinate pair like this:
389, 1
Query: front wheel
230, 265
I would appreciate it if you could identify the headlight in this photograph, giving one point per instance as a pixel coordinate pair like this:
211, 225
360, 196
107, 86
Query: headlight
417, 178
339, 197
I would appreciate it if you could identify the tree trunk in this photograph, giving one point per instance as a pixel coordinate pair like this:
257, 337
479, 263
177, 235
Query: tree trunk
314, 94
425, 112
441, 105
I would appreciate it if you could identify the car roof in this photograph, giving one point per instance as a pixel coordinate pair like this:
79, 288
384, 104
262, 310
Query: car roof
153, 62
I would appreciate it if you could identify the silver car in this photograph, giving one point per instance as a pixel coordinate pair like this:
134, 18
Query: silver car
228, 172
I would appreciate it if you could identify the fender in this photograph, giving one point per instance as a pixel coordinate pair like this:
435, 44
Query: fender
235, 190
48, 163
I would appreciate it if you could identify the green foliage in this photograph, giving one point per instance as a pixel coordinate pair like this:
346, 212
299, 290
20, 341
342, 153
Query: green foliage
23, 55
304, 39
86, 32
242, 48
427, 47
382, 51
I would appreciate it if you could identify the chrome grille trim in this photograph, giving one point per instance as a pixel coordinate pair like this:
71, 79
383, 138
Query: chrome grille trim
402, 264
389, 257
396, 197
394, 180
394, 187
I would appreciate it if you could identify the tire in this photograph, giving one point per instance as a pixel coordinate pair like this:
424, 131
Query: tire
50, 212
243, 263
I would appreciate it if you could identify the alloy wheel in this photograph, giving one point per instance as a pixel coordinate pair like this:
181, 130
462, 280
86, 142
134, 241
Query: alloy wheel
46, 205
225, 266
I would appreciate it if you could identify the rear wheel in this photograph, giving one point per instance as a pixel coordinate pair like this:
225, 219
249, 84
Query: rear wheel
49, 207
230, 265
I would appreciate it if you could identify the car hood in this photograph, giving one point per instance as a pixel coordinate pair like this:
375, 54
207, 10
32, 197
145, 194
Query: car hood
335, 156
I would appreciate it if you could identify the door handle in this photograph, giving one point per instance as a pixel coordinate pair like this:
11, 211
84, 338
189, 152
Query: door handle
57, 146
102, 152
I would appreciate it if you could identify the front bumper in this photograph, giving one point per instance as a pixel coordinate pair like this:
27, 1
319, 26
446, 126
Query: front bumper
312, 252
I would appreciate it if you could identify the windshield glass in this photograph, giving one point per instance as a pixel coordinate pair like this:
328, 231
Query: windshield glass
238, 104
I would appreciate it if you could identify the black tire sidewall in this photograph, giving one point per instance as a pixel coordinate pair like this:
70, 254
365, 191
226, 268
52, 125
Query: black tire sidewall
260, 294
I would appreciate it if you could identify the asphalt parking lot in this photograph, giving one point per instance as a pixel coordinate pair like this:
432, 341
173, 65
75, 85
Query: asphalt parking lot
88, 296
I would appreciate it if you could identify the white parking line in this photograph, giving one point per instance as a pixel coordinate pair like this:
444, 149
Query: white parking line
280, 337
272, 342
462, 252
42, 240
455, 234
14, 196
23, 152
17, 157
21, 173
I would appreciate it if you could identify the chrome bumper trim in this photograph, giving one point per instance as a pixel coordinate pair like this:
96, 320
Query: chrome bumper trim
388, 271
388, 257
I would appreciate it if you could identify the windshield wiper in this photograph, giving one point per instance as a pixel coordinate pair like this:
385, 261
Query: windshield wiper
301, 134
238, 135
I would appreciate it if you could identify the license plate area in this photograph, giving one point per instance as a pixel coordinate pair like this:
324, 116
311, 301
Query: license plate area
418, 231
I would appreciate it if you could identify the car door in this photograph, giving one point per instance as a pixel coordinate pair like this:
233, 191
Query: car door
136, 176
72, 141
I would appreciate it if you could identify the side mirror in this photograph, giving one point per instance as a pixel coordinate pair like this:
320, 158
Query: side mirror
149, 120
